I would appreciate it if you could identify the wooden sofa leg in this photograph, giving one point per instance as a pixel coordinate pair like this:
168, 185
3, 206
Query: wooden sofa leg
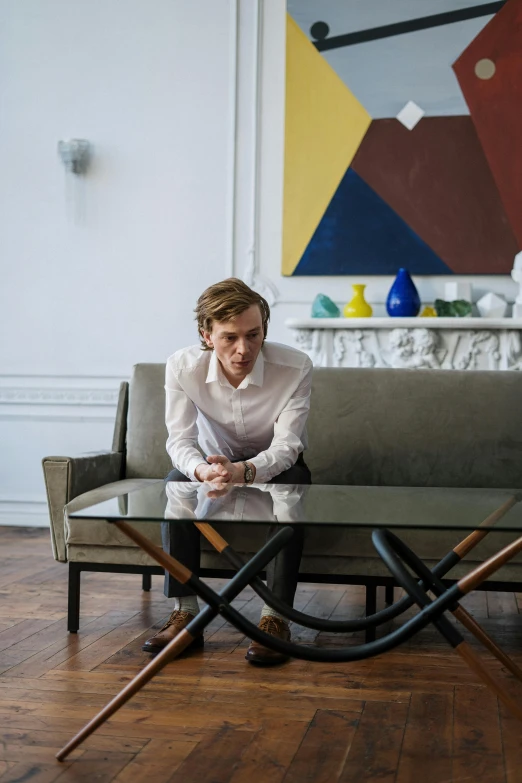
73, 609
388, 594
147, 582
371, 608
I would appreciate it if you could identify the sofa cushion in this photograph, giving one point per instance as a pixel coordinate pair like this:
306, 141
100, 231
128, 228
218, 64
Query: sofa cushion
415, 428
146, 433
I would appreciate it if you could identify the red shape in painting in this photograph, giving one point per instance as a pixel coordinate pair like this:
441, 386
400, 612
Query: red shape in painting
489, 72
437, 179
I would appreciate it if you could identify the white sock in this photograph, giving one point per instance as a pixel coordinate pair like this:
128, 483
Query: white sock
267, 611
187, 603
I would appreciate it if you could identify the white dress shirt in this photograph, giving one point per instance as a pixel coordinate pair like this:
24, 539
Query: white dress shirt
262, 421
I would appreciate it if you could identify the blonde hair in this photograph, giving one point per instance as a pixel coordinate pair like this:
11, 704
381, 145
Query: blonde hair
225, 301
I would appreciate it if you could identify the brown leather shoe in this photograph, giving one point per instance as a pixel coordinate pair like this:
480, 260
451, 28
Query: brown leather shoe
263, 656
176, 622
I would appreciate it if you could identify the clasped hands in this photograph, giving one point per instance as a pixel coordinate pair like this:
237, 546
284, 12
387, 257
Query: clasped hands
220, 473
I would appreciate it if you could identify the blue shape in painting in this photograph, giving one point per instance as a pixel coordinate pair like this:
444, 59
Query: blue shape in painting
403, 299
360, 234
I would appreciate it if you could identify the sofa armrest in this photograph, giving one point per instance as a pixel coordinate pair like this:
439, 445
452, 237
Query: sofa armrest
68, 477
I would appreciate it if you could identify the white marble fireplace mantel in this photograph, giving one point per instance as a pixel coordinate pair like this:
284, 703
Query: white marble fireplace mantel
412, 343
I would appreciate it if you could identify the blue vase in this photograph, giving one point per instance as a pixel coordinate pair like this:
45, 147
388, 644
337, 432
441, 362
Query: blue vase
403, 299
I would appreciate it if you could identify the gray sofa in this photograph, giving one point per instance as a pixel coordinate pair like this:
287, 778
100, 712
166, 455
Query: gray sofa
367, 427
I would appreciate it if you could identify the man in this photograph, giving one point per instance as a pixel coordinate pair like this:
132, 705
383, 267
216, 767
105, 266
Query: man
242, 403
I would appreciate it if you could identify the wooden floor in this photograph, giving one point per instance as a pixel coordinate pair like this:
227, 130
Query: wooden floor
417, 715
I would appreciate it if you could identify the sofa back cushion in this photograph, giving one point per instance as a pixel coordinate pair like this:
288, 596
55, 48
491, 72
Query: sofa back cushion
376, 427
416, 428
146, 430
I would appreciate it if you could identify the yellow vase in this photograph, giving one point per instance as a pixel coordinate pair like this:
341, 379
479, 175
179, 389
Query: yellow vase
357, 307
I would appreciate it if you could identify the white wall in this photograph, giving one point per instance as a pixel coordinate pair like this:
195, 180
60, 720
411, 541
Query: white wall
100, 274
183, 101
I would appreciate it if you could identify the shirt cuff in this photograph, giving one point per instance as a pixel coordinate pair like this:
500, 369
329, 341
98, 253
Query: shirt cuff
263, 474
192, 465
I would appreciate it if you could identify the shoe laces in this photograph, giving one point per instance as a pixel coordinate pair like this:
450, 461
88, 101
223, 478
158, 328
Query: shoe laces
270, 624
177, 616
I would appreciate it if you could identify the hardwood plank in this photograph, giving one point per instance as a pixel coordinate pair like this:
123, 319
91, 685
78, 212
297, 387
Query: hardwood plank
94, 765
322, 605
322, 754
157, 762
57, 738
186, 714
501, 604
38, 638
108, 683
375, 751
35, 772
215, 758
511, 744
477, 742
21, 631
11, 751
121, 733
476, 603
98, 652
270, 752
181, 698
67, 646
428, 739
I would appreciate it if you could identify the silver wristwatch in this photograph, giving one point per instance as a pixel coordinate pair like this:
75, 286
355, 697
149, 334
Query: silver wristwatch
249, 474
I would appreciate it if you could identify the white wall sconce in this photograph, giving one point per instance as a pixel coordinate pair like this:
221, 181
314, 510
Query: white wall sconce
75, 154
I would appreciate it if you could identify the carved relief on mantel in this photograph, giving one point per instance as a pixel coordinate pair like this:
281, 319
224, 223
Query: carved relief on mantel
413, 347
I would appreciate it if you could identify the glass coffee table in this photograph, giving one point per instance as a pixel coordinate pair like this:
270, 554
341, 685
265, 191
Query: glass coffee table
387, 511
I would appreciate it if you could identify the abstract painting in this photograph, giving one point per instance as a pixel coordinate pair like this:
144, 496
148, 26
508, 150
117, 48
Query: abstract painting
403, 140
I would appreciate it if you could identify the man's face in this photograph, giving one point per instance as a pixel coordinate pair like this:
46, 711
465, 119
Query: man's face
237, 343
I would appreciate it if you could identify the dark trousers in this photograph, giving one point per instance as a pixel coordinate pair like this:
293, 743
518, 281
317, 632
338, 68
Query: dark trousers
182, 541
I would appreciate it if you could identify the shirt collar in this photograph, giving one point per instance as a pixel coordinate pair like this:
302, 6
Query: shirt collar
255, 377
213, 373
258, 371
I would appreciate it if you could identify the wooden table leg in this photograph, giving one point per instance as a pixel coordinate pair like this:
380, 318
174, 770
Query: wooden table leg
479, 633
476, 665
171, 651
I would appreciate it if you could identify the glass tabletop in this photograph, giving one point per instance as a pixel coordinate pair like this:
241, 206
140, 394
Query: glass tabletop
318, 504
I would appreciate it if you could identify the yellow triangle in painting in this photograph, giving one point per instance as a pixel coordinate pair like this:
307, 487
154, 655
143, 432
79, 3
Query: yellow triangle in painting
325, 123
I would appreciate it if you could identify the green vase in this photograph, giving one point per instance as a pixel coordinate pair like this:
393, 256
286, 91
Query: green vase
357, 307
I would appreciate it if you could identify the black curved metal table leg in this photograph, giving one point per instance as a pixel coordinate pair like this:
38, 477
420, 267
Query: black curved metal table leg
394, 551
372, 619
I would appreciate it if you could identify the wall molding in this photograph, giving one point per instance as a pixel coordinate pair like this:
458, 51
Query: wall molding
59, 398
12, 395
16, 512
59, 390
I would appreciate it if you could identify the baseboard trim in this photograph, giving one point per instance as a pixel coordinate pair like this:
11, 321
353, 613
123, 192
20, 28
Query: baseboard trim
20, 513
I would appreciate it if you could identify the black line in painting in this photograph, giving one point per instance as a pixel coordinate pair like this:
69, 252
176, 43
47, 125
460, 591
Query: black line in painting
408, 26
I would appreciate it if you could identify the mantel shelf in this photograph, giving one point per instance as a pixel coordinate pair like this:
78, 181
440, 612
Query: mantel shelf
404, 323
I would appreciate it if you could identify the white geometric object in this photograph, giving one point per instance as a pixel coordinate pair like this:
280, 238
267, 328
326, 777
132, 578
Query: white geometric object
410, 114
453, 291
517, 311
492, 306
516, 274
